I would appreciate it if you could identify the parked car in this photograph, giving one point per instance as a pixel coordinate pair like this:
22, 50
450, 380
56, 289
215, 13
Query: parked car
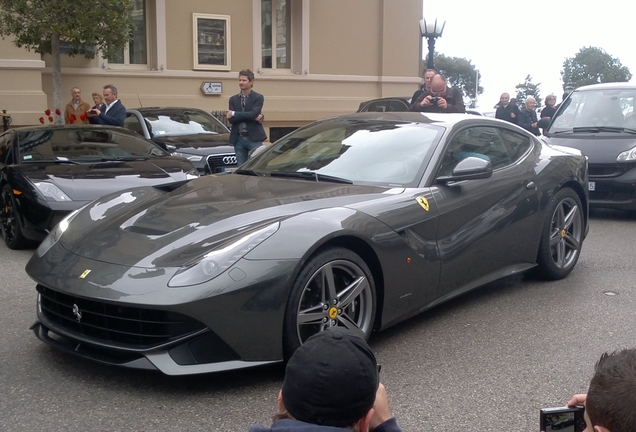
360, 221
598, 120
402, 104
187, 132
46, 172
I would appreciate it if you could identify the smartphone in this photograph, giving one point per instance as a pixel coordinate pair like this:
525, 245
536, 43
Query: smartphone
563, 419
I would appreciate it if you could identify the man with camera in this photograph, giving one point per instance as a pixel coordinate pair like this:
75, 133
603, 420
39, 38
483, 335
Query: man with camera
439, 98
611, 397
332, 384
114, 114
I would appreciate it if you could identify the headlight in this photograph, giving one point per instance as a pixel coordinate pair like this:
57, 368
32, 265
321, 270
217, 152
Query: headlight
628, 155
54, 236
51, 192
214, 263
191, 158
193, 173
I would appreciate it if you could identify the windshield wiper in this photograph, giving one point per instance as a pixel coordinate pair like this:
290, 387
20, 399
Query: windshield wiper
595, 129
51, 161
248, 172
311, 175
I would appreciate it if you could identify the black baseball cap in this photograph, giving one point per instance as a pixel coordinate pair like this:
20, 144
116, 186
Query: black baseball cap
331, 379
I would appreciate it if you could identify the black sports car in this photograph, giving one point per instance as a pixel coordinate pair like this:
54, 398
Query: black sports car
360, 221
46, 172
187, 132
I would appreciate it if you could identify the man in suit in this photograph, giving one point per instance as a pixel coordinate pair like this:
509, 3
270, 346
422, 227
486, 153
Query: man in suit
245, 116
115, 112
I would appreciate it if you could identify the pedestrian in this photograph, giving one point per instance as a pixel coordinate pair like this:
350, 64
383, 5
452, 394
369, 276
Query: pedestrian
98, 100
75, 111
550, 109
506, 110
245, 116
113, 112
439, 99
527, 117
332, 384
426, 83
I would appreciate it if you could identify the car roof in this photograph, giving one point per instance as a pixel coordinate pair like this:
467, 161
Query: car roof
607, 86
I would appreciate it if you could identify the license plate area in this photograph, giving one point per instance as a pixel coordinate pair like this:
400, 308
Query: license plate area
591, 186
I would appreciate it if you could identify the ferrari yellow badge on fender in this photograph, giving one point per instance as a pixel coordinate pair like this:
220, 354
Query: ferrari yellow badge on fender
423, 202
83, 275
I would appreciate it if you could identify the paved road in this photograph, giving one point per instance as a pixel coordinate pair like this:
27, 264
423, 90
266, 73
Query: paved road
484, 362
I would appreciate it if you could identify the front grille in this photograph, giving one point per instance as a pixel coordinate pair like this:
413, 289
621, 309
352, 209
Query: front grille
127, 326
217, 162
607, 170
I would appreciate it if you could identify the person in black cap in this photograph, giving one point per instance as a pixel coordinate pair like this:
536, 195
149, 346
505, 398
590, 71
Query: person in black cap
332, 384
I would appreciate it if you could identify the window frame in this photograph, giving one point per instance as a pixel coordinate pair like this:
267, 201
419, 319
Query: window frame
226, 46
150, 16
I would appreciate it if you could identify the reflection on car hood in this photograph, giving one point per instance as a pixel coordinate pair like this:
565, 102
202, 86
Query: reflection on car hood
600, 149
200, 143
146, 227
85, 182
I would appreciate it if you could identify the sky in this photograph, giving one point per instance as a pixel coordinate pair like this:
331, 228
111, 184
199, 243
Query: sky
507, 40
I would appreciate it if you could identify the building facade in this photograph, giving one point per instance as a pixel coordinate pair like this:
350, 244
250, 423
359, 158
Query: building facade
312, 58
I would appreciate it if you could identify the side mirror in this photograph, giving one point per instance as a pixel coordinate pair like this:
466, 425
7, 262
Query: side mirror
256, 151
544, 122
470, 168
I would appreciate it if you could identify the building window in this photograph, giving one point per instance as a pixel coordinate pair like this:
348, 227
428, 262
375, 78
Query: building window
136, 52
211, 41
276, 34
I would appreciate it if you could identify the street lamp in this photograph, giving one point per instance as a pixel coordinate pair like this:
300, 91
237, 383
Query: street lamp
431, 30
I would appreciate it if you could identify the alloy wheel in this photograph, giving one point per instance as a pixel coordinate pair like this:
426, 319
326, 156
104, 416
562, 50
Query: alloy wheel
566, 232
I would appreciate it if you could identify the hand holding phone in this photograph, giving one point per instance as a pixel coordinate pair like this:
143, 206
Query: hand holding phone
563, 419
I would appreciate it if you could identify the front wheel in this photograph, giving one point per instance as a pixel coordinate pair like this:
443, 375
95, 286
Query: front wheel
9, 221
562, 236
334, 288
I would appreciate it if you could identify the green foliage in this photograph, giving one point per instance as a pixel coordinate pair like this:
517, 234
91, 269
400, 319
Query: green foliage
593, 65
528, 88
87, 26
460, 73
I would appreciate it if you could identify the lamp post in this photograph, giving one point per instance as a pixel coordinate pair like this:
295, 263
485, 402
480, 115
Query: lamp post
431, 30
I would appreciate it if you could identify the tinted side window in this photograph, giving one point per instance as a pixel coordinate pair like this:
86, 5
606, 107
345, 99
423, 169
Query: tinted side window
518, 144
132, 123
5, 148
482, 142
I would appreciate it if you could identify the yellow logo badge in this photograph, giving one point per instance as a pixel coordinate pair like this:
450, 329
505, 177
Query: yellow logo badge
83, 275
563, 233
333, 313
423, 202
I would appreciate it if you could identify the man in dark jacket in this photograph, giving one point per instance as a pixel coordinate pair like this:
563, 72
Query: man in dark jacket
245, 115
528, 117
505, 110
332, 385
426, 83
439, 99
114, 112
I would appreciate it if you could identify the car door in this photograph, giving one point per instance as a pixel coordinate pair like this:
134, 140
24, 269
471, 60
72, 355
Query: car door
485, 223
135, 123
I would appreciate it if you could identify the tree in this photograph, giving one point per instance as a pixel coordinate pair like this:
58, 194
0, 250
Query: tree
593, 65
460, 73
528, 88
86, 26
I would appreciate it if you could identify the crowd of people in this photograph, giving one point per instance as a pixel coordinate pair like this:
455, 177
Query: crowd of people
107, 109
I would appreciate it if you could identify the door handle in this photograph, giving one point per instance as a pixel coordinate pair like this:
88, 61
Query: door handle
531, 185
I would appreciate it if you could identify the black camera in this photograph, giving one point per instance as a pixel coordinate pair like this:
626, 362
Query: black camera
562, 419
434, 101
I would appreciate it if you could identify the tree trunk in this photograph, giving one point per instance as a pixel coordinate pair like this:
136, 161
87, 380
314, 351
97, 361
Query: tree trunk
58, 102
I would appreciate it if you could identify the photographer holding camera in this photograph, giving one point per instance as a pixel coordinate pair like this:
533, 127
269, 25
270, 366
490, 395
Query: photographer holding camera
439, 98
611, 397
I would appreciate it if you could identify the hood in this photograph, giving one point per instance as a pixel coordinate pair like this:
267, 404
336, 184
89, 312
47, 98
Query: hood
85, 182
148, 227
600, 148
197, 144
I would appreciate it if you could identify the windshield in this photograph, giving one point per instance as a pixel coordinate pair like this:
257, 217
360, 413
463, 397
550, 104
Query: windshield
594, 109
372, 151
78, 143
183, 122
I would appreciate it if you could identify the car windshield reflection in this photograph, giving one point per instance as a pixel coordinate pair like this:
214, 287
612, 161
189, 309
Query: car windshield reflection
183, 122
385, 152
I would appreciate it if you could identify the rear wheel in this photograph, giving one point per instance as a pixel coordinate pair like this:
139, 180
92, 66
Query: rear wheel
9, 221
335, 288
562, 236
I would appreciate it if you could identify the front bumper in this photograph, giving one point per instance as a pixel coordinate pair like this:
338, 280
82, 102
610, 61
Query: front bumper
229, 324
613, 186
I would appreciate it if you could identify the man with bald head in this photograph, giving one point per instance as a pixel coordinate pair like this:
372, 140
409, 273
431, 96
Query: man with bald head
440, 98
